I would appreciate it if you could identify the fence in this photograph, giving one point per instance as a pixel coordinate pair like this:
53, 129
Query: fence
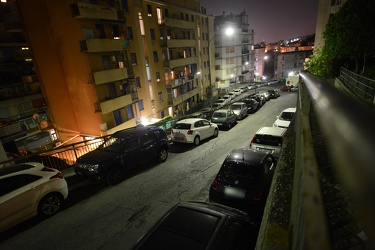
361, 86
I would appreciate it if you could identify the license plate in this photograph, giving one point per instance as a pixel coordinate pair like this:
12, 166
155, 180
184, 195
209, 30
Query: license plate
266, 149
234, 192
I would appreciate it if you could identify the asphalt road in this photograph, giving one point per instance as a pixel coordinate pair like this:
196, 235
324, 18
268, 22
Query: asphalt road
97, 216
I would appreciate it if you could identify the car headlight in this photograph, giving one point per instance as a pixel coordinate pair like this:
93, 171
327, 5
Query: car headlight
89, 167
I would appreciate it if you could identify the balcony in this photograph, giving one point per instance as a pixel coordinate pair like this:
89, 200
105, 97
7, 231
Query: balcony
101, 45
245, 51
178, 43
177, 23
116, 103
181, 62
179, 99
93, 11
111, 75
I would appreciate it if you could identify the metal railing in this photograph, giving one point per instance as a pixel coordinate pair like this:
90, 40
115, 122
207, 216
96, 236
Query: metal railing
361, 86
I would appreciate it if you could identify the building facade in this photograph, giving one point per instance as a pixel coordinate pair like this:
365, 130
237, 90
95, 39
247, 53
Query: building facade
103, 66
234, 54
325, 10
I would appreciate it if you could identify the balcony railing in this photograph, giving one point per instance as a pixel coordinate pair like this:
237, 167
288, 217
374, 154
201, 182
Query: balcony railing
101, 45
111, 75
93, 11
178, 23
180, 62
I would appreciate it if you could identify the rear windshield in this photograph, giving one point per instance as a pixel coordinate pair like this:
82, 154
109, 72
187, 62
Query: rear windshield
268, 140
182, 126
219, 114
239, 170
286, 116
236, 107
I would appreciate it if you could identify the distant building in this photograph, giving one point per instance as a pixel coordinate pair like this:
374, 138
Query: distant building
234, 55
291, 61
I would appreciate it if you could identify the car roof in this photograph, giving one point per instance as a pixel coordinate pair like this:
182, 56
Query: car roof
246, 155
24, 167
191, 120
189, 225
238, 103
289, 110
275, 131
125, 133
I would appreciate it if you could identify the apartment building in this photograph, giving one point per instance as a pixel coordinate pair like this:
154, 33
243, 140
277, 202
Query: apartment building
104, 66
24, 118
292, 61
325, 10
234, 54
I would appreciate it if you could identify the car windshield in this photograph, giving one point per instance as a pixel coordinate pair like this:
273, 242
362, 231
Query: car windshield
219, 115
182, 126
239, 170
268, 140
236, 106
112, 144
286, 116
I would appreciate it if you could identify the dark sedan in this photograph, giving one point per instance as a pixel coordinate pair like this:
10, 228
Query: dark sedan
201, 225
252, 105
244, 180
273, 93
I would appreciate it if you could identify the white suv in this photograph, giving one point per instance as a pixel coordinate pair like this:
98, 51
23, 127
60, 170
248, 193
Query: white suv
27, 190
268, 139
284, 118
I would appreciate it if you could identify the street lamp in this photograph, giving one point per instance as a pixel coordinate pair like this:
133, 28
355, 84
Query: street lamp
228, 31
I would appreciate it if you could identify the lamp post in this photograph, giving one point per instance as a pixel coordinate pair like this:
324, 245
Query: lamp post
228, 32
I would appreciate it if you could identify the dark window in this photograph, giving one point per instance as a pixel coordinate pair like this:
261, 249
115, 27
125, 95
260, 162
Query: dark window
182, 126
100, 28
130, 112
146, 138
117, 116
133, 58
111, 3
157, 74
115, 31
160, 94
137, 82
125, 5
156, 58
152, 32
192, 18
149, 10
140, 105
268, 140
129, 31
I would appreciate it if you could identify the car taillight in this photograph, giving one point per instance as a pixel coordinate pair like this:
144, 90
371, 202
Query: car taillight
215, 185
57, 176
257, 195
190, 132
252, 140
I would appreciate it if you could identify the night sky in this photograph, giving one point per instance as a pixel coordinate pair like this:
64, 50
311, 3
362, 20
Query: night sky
272, 20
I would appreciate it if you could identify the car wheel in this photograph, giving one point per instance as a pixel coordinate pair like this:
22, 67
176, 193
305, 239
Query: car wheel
162, 155
115, 176
50, 204
216, 132
196, 141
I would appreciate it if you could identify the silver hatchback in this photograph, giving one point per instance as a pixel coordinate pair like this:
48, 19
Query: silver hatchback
269, 139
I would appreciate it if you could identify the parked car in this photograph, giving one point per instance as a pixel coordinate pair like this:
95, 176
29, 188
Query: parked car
266, 95
268, 139
204, 113
224, 118
122, 151
259, 98
232, 95
237, 91
240, 109
244, 180
222, 101
252, 105
228, 98
273, 93
201, 225
284, 118
27, 190
193, 130
244, 89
